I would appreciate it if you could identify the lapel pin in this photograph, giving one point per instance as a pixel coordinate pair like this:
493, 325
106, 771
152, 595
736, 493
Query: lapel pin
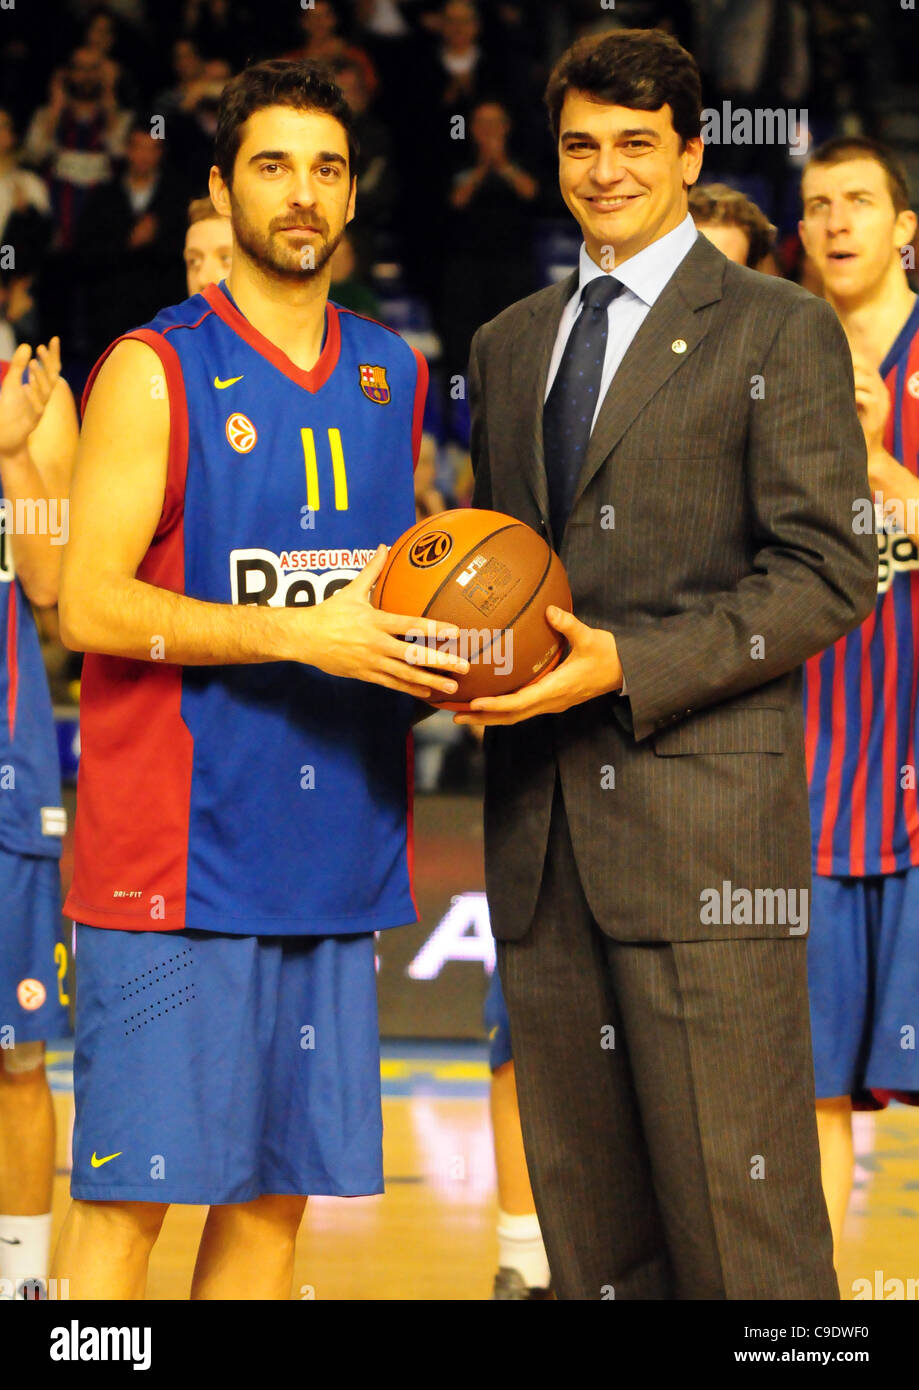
678, 345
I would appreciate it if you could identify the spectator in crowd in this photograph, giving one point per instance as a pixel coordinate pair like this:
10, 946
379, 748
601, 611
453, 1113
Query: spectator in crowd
220, 27
102, 37
376, 179
323, 43
734, 224
488, 258
208, 245
24, 203
188, 70
348, 287
73, 140
130, 241
464, 73
190, 137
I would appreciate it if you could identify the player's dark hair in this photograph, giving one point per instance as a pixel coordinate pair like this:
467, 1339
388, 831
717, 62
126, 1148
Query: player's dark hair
639, 68
717, 205
843, 148
298, 83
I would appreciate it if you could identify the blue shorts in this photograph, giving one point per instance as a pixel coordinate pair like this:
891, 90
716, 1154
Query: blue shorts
497, 1025
212, 1069
33, 952
863, 978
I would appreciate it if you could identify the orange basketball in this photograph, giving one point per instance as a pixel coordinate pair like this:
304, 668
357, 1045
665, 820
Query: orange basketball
493, 577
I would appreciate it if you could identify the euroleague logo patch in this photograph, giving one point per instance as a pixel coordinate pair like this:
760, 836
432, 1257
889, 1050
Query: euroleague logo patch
31, 994
374, 384
912, 386
241, 433
430, 549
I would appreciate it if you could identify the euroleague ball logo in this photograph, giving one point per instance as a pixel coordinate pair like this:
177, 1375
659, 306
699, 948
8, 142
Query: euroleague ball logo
912, 386
241, 433
430, 548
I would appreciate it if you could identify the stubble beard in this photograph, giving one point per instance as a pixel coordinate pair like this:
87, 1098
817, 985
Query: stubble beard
283, 263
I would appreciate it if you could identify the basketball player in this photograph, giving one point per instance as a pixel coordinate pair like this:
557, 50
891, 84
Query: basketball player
243, 787
38, 435
208, 246
523, 1269
734, 224
860, 694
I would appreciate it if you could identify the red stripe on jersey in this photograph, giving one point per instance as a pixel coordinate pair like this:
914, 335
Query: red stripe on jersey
119, 695
834, 771
812, 715
910, 806
890, 780
410, 817
421, 393
325, 365
860, 776
12, 660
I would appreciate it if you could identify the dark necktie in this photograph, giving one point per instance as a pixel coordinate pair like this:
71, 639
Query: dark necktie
568, 413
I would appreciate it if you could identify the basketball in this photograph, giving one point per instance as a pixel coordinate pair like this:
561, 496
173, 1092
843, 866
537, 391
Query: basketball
491, 575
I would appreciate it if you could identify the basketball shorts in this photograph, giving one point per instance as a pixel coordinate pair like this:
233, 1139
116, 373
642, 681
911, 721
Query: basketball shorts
497, 1025
863, 978
33, 951
212, 1069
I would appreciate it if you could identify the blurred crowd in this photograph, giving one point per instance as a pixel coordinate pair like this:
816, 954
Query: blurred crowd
108, 113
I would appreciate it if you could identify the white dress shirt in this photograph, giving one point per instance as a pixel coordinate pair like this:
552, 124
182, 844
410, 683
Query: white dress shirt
644, 276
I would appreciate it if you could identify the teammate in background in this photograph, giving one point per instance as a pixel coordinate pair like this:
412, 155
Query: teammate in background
243, 795
861, 694
523, 1269
734, 224
208, 251
38, 436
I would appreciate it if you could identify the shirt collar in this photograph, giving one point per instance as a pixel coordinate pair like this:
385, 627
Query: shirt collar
646, 273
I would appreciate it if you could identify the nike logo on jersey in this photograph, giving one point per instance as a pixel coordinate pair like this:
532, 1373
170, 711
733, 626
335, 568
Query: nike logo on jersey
230, 381
7, 1240
98, 1162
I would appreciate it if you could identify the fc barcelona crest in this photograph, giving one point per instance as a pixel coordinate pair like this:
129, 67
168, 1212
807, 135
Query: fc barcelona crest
374, 384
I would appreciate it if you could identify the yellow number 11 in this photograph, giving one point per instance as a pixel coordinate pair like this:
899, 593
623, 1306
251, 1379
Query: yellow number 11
312, 472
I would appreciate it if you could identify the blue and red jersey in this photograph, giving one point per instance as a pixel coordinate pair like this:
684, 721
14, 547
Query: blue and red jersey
267, 798
860, 694
32, 820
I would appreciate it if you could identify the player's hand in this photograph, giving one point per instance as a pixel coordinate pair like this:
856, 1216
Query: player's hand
591, 668
872, 402
22, 404
347, 636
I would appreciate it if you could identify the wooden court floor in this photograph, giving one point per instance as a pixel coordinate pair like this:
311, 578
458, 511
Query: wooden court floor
432, 1235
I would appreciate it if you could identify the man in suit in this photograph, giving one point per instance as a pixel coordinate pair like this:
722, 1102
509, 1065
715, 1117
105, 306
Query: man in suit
682, 430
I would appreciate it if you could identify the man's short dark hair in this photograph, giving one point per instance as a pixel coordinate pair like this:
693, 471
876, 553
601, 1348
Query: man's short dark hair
843, 148
299, 83
639, 68
717, 205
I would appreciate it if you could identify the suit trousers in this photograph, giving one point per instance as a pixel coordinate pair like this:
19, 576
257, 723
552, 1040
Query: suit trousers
667, 1102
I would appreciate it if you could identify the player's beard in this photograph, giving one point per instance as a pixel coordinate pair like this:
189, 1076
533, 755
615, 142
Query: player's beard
270, 254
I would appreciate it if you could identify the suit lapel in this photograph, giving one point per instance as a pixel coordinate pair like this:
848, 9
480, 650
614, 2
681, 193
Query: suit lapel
529, 372
651, 357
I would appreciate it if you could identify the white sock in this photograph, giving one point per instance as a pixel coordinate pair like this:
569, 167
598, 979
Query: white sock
25, 1248
520, 1247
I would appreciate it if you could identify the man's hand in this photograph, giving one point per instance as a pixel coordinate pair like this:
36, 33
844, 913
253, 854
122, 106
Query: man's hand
591, 668
872, 401
22, 404
347, 636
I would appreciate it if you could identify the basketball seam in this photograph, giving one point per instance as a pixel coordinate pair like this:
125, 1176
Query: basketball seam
459, 565
409, 535
517, 616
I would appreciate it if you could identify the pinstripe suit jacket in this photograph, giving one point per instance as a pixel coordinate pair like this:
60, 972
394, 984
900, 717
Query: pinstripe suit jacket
712, 533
